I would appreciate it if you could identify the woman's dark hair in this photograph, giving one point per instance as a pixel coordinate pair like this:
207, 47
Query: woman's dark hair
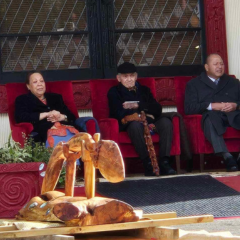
29, 75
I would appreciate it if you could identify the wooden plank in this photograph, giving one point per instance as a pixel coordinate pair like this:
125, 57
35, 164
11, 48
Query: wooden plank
204, 235
156, 233
53, 237
169, 233
8, 228
107, 227
162, 215
114, 237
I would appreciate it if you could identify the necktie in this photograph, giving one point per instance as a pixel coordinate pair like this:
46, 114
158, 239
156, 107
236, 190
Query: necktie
216, 81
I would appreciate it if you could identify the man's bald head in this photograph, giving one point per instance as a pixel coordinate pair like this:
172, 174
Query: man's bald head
211, 56
214, 66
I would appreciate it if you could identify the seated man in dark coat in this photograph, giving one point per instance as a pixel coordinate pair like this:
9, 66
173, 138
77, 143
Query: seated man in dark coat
119, 98
216, 96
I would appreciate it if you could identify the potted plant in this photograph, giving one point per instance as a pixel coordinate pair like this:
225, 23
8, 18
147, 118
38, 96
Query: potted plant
21, 174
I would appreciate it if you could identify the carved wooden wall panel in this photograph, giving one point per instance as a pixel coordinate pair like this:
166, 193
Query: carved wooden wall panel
165, 91
3, 99
215, 27
19, 183
82, 95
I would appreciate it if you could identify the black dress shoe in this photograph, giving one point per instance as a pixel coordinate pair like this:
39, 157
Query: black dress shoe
165, 168
231, 164
148, 172
238, 161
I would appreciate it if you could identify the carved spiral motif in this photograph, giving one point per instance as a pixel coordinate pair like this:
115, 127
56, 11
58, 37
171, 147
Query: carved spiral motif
82, 95
16, 189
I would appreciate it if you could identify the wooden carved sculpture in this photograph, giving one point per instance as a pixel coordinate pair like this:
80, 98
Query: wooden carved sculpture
147, 137
81, 211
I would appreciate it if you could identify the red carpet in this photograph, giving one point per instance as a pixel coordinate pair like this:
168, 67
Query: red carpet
230, 181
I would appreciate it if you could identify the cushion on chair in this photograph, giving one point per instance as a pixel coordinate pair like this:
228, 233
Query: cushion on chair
231, 133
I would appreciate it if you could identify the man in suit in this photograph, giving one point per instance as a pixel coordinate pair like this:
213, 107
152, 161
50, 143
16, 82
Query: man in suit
120, 99
216, 96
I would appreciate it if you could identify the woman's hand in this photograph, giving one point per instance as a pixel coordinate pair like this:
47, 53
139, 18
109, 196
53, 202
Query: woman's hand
55, 116
43, 115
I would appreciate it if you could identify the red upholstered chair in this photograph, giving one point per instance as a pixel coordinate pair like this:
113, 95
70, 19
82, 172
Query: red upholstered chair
109, 126
200, 145
15, 89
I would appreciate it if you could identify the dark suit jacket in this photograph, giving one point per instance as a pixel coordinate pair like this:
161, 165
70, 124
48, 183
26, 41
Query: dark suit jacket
117, 95
201, 91
28, 108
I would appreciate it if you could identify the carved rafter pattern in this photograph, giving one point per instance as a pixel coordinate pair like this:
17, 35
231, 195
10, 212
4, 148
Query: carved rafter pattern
3, 99
94, 40
108, 36
215, 28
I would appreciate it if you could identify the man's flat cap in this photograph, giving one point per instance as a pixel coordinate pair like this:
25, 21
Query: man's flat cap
126, 67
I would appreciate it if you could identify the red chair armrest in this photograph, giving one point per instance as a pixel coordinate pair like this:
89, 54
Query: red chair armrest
195, 116
195, 132
109, 129
175, 149
20, 129
91, 127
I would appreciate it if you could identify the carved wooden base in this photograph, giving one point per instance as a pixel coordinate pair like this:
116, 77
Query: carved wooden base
76, 211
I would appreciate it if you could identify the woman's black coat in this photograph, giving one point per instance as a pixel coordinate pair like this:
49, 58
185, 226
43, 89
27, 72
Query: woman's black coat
28, 108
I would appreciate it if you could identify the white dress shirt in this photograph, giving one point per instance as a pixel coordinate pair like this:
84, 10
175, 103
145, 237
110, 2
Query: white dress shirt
214, 80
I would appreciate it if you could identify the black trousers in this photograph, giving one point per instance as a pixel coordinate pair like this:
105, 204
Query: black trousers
164, 128
212, 136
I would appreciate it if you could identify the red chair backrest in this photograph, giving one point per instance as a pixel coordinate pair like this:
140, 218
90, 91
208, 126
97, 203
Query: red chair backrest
180, 85
99, 89
61, 87
13, 91
65, 89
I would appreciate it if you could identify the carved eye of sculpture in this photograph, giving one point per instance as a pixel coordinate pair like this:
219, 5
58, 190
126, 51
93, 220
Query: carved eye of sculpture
43, 205
48, 211
33, 205
41, 167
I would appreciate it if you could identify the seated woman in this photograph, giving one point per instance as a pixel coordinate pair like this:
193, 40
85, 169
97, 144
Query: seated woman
43, 109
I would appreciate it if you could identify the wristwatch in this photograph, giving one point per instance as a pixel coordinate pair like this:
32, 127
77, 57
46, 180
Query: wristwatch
238, 106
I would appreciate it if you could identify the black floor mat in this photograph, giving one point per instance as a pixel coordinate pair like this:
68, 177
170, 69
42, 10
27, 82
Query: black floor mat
192, 195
